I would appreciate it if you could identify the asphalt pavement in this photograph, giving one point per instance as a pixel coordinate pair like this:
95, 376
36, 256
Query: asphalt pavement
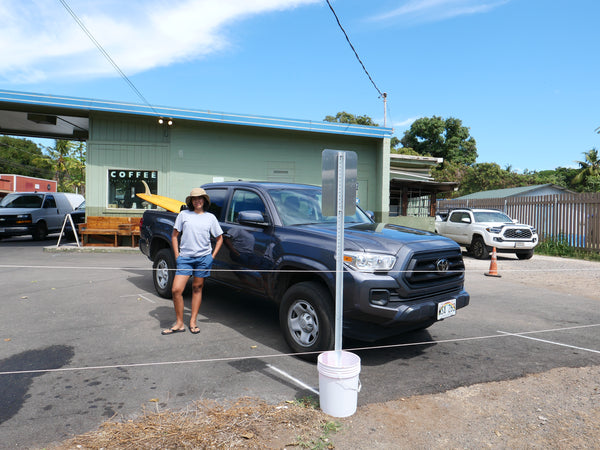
80, 343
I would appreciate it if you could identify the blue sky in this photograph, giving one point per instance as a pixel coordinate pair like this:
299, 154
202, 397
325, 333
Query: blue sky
523, 75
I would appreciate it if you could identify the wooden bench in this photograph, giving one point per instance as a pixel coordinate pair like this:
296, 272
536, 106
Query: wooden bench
108, 230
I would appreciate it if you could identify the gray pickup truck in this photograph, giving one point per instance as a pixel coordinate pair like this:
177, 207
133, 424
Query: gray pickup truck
277, 244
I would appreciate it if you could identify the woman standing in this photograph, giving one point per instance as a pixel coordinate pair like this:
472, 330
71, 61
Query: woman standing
194, 254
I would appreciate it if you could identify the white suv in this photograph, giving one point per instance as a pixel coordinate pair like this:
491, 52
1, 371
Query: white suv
480, 230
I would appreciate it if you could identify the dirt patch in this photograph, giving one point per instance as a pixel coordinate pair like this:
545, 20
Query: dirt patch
556, 409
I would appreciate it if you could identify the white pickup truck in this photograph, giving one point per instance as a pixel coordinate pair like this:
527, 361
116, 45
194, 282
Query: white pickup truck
479, 230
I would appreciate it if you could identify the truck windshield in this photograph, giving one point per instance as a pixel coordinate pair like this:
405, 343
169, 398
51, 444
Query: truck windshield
22, 201
491, 216
303, 206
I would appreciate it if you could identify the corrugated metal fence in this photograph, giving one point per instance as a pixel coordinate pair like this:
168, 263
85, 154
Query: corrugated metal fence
574, 218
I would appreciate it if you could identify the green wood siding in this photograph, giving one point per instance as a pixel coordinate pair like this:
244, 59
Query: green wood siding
189, 154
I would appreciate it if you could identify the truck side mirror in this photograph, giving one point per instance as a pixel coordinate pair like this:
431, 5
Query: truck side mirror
253, 218
466, 220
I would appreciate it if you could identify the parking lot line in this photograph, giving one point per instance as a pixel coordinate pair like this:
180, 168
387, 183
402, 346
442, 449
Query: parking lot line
291, 378
550, 342
138, 296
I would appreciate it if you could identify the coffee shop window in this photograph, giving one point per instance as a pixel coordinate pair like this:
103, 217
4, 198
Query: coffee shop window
124, 184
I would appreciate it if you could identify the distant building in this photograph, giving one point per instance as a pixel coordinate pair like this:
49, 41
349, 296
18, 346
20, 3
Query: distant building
523, 191
20, 183
413, 191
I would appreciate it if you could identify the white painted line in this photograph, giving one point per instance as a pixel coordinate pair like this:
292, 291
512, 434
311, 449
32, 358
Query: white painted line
295, 380
550, 342
138, 296
574, 327
147, 299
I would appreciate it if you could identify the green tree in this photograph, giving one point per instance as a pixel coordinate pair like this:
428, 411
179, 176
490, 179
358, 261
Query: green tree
67, 159
441, 138
23, 157
481, 177
344, 117
588, 168
561, 176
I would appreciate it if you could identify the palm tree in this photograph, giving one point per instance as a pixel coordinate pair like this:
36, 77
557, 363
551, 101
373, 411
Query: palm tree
589, 168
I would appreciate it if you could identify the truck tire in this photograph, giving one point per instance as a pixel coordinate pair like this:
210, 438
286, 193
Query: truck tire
527, 254
306, 319
40, 231
163, 271
479, 249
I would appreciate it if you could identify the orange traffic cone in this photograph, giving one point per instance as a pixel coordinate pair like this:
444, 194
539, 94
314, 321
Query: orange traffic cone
493, 266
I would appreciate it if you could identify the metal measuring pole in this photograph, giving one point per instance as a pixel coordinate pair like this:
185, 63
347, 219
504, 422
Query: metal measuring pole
339, 259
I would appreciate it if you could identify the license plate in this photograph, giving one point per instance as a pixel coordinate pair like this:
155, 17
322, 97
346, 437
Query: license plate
446, 309
519, 244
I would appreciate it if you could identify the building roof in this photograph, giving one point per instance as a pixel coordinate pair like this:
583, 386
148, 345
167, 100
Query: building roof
412, 167
512, 192
55, 116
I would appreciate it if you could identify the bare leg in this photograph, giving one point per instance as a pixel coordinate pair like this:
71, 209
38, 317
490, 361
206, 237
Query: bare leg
197, 285
179, 283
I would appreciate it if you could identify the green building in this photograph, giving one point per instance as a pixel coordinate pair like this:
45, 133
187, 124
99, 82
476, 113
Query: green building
175, 149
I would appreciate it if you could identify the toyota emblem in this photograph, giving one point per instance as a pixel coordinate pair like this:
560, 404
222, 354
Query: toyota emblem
442, 265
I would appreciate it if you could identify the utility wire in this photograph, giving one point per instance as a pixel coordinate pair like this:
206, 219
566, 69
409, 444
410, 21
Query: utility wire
106, 55
352, 47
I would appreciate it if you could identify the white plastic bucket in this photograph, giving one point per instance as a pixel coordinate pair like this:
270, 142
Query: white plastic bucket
338, 383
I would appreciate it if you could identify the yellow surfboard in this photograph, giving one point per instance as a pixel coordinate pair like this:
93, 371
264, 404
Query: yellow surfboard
170, 204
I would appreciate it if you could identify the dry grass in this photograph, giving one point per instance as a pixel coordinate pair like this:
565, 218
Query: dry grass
248, 423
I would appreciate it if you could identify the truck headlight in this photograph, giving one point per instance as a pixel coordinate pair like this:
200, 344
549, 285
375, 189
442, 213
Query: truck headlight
494, 230
23, 218
369, 262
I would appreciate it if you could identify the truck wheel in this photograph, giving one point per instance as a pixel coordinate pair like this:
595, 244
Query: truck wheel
163, 271
306, 319
40, 231
525, 255
479, 249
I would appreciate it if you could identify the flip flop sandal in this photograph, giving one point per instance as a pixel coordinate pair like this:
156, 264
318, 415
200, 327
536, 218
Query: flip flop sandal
172, 331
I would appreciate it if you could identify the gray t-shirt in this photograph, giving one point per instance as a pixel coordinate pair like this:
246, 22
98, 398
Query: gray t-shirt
196, 230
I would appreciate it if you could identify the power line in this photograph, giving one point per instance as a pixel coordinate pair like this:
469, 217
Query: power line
106, 55
381, 94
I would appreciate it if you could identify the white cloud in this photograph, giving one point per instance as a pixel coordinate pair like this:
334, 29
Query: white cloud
405, 123
420, 11
40, 39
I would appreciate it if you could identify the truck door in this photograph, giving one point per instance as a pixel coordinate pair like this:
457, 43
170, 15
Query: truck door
457, 228
245, 257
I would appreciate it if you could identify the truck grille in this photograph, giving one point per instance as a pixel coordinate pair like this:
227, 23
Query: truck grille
8, 220
429, 269
517, 233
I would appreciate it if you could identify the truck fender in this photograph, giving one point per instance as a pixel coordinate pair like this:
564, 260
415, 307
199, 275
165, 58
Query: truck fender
294, 269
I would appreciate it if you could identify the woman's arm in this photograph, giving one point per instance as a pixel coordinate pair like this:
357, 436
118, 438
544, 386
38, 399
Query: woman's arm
175, 242
218, 243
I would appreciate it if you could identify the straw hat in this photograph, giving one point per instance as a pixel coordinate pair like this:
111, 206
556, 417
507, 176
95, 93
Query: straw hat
198, 192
